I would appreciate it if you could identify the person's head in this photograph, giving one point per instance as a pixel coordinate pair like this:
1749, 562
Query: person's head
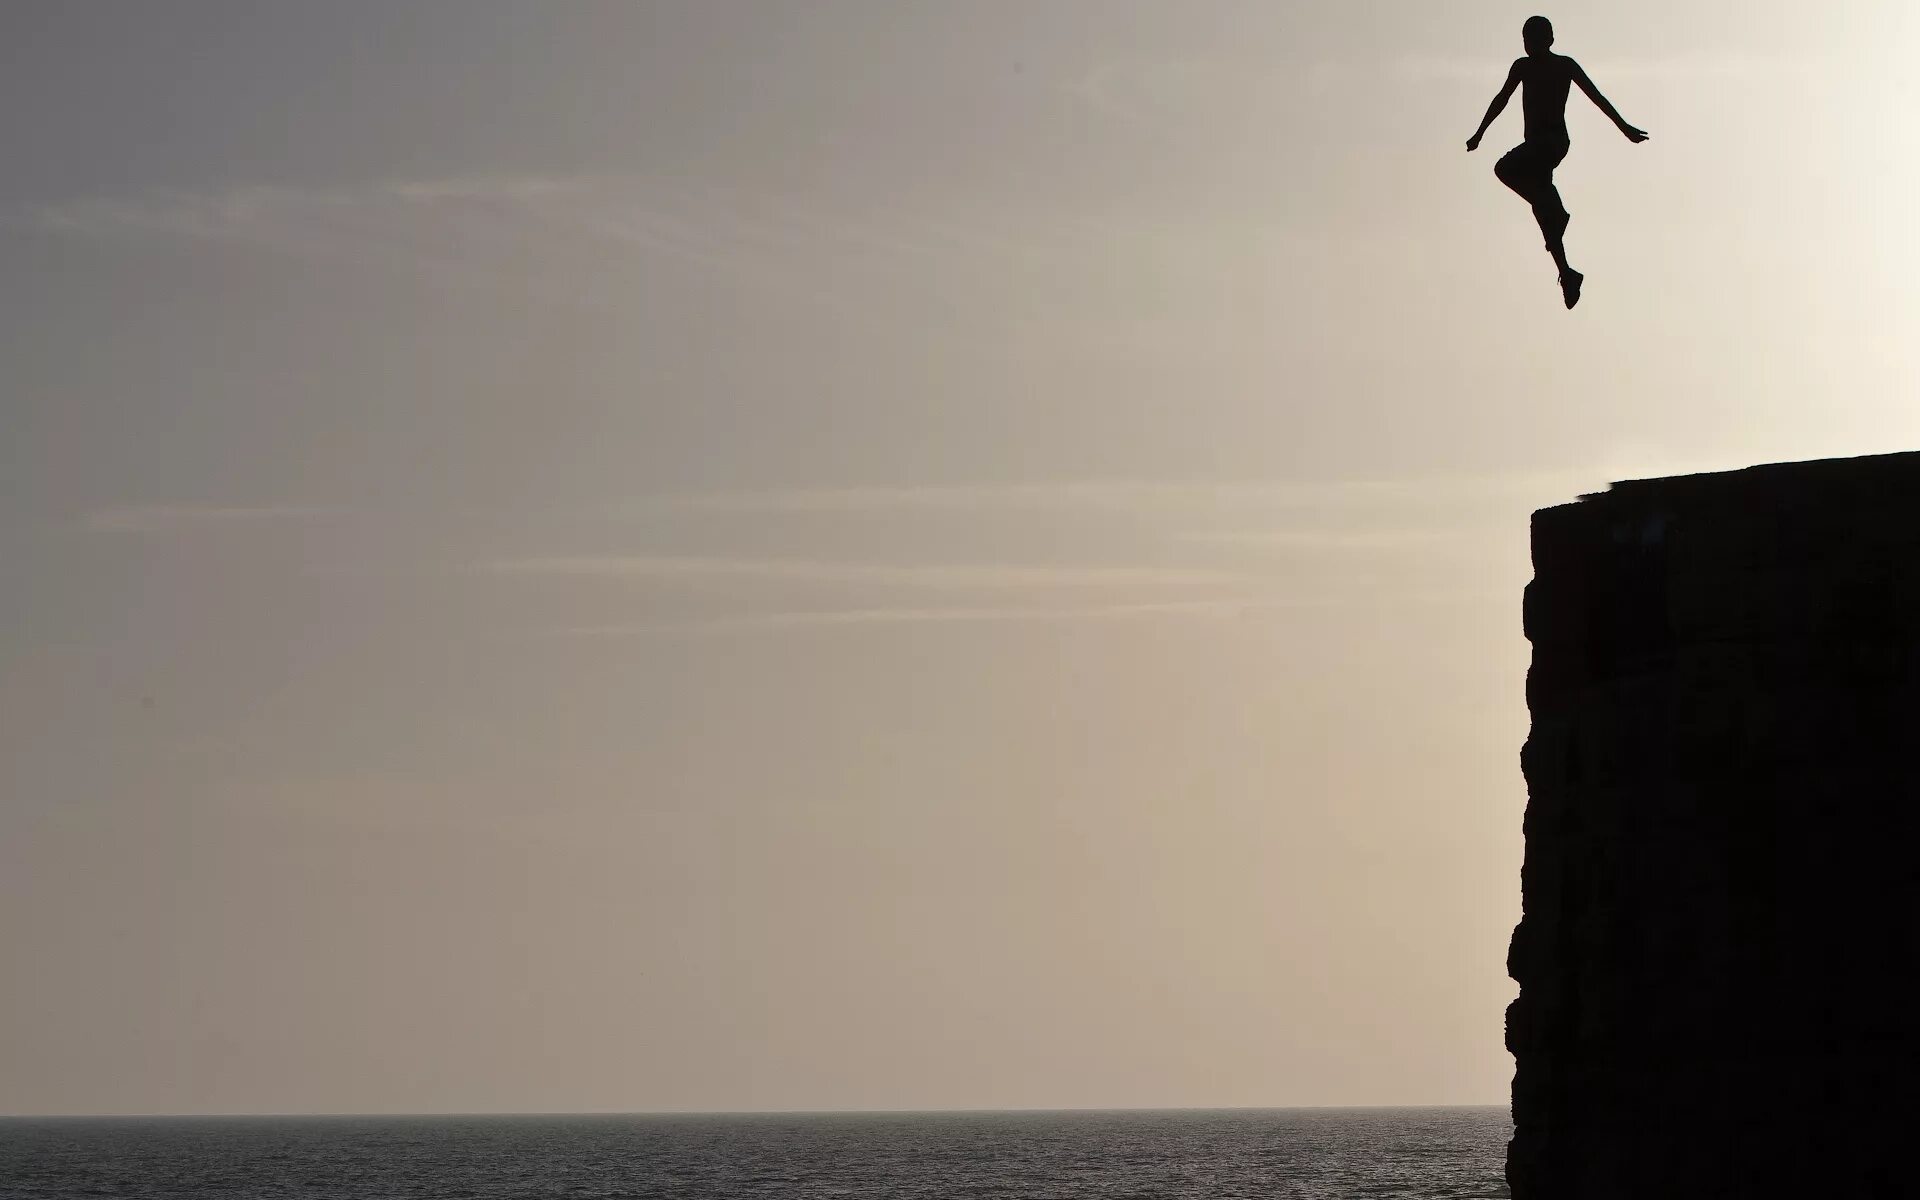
1537, 33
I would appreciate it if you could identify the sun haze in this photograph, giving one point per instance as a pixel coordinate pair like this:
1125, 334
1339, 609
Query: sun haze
868, 555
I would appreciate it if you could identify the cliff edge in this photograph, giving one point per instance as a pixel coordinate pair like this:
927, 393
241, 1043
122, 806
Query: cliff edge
1722, 868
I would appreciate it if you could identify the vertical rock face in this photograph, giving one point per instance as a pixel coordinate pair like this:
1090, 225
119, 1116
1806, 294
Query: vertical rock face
1722, 878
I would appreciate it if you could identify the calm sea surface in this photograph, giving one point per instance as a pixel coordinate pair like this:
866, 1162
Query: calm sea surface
1415, 1153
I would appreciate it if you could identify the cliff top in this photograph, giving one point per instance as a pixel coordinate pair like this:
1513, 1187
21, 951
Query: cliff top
1899, 471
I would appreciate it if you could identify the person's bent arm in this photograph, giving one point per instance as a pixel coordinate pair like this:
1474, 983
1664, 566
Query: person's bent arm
1606, 106
1494, 109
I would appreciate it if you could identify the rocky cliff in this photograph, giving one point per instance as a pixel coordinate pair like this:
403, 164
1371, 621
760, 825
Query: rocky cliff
1720, 919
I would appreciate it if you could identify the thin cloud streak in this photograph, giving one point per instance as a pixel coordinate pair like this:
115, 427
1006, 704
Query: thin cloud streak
1197, 610
831, 618
1420, 494
939, 576
1313, 539
193, 518
588, 225
468, 230
1127, 495
262, 212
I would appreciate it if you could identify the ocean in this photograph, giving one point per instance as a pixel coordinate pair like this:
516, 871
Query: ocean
1298, 1154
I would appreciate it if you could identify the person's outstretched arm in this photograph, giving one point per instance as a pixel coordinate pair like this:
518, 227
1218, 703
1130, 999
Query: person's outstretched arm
1605, 105
1494, 109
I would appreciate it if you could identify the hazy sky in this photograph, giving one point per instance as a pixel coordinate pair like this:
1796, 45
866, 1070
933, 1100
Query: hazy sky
722, 555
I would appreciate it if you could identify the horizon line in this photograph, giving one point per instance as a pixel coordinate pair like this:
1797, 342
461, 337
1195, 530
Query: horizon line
741, 1112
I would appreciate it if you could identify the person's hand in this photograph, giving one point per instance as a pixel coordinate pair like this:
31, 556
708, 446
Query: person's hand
1634, 135
1473, 143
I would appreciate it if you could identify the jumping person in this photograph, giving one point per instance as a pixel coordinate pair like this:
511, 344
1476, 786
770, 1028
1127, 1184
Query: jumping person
1528, 168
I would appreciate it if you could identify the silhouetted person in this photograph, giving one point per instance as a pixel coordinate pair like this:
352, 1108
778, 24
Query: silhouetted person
1545, 78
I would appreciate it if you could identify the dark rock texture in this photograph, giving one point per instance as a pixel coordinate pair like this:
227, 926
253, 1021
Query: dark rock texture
1721, 888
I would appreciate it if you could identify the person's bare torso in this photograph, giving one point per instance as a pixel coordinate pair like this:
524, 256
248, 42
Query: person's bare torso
1544, 83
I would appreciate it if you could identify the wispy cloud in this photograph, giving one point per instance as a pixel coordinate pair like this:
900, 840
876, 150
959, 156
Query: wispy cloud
840, 618
462, 233
931, 575
267, 212
1245, 608
191, 518
1134, 495
464, 230
1714, 65
561, 237
1327, 539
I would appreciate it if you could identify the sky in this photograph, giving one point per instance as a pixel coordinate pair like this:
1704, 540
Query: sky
863, 554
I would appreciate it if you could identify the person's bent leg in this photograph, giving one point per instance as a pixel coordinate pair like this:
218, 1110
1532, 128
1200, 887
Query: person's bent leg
1513, 170
1523, 170
1553, 218
1528, 170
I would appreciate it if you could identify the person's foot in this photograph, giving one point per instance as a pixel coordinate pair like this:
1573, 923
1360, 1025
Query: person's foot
1570, 281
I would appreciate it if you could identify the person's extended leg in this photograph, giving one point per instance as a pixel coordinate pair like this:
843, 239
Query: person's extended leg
1553, 217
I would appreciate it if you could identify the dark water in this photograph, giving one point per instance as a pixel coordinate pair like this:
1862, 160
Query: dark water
1413, 1153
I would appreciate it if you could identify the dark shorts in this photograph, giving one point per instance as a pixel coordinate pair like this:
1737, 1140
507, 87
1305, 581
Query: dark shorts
1531, 164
